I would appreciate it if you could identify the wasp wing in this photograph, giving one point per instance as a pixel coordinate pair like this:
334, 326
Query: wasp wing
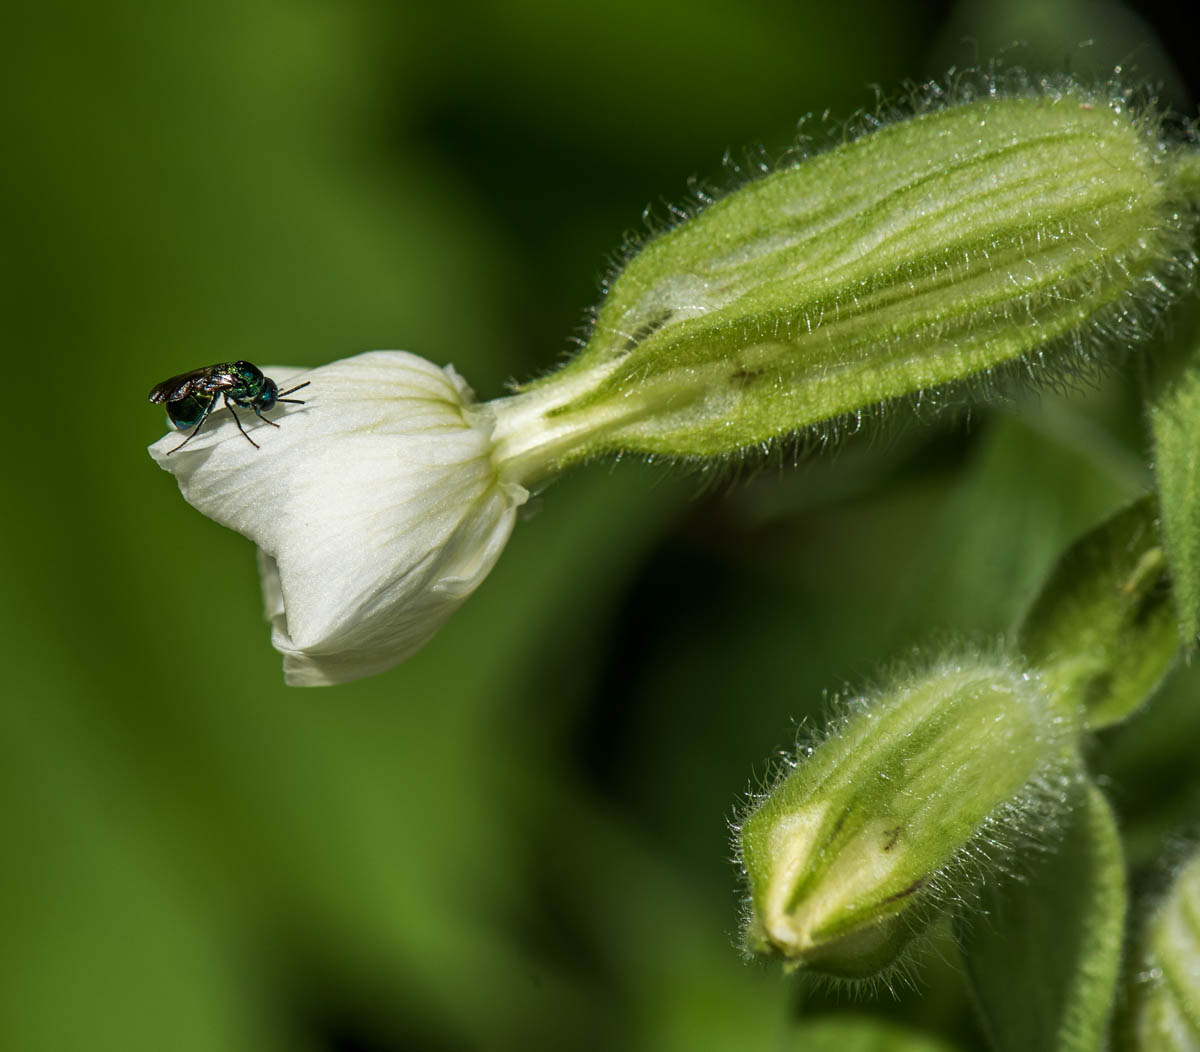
206, 381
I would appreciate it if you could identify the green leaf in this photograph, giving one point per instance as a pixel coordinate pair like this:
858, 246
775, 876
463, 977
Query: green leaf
1043, 963
1102, 630
851, 1033
1175, 424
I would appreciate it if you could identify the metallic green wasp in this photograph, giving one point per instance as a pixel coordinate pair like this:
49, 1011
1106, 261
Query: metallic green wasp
191, 397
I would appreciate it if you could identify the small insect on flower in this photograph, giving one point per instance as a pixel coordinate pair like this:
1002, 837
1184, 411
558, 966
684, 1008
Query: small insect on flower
191, 397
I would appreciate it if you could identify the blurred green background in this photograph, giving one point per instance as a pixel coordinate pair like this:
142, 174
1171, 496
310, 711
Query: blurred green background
519, 838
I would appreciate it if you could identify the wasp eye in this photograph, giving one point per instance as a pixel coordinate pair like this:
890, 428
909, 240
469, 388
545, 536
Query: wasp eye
270, 393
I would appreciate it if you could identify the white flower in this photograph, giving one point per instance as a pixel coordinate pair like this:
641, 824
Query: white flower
377, 506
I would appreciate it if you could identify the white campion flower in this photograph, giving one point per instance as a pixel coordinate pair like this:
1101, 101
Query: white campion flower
939, 253
378, 507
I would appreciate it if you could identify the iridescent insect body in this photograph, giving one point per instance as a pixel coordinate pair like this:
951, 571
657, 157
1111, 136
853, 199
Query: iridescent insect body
191, 397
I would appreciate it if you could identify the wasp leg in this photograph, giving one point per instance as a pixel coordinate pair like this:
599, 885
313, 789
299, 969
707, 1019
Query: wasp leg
229, 406
263, 418
199, 424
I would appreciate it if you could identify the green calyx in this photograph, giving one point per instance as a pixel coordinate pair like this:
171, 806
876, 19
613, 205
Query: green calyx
1167, 995
1174, 417
1102, 632
851, 854
953, 245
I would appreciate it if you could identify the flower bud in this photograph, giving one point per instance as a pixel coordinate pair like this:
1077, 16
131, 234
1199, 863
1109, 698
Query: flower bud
1167, 998
960, 242
850, 855
1102, 631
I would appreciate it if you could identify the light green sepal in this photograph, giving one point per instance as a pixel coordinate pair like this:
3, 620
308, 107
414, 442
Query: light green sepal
1175, 424
1043, 960
1166, 994
1102, 631
853, 853
940, 248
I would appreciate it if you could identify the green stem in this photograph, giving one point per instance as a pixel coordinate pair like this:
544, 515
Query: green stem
535, 439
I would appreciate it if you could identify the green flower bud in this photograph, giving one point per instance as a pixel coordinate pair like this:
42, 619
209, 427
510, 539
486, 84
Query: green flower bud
850, 854
962, 242
1167, 1000
1102, 632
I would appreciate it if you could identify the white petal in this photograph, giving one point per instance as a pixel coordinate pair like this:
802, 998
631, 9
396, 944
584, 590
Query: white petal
376, 505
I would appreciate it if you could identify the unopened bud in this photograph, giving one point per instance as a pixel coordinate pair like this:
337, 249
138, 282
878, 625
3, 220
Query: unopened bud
858, 846
1167, 997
